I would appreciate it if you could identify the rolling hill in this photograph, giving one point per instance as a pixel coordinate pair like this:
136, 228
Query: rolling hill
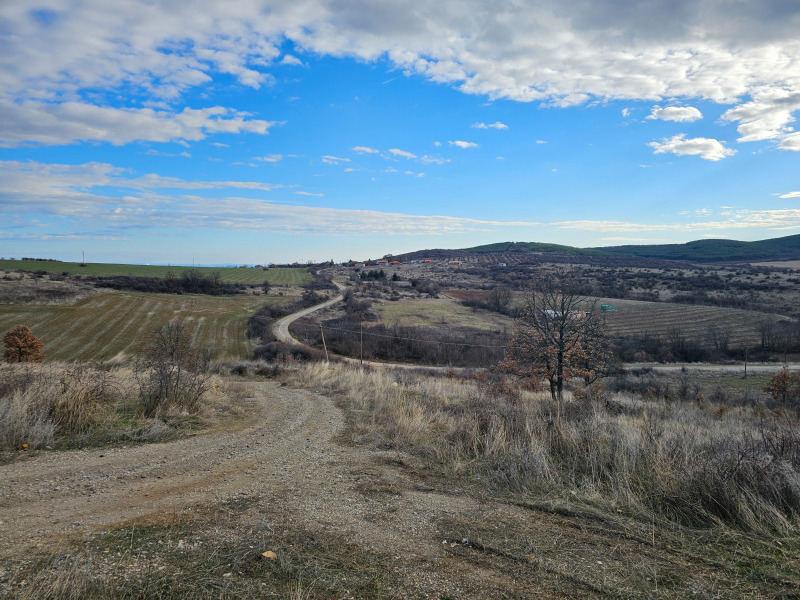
703, 251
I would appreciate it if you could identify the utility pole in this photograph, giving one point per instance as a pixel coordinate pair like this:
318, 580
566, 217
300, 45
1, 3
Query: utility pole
323, 342
745, 362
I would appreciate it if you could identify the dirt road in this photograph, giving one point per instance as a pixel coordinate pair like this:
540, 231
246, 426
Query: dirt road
363, 521
285, 462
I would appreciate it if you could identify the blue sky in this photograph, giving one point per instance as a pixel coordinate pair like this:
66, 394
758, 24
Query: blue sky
166, 132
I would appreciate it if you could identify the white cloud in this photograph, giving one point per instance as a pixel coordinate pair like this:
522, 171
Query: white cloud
708, 149
790, 142
791, 195
309, 194
565, 53
495, 125
270, 158
79, 197
541, 141
334, 160
463, 144
767, 116
402, 153
366, 150
55, 180
626, 112
289, 59
70, 122
433, 160
776, 220
679, 114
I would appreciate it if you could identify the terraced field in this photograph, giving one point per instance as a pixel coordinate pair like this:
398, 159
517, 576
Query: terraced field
276, 276
113, 326
630, 318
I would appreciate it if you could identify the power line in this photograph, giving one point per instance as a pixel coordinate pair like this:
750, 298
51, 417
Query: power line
407, 339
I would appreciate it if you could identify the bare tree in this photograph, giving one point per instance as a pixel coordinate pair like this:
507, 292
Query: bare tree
499, 298
170, 371
558, 335
719, 336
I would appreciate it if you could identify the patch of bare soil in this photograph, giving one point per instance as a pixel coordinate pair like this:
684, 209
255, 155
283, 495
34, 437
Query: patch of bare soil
194, 517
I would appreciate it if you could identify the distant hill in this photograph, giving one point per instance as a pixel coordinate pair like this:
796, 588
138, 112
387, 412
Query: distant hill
783, 248
703, 251
533, 247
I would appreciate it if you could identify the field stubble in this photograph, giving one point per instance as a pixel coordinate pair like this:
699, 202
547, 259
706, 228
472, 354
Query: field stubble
113, 326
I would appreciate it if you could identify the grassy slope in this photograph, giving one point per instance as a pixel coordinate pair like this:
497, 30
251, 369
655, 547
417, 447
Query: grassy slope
276, 276
110, 325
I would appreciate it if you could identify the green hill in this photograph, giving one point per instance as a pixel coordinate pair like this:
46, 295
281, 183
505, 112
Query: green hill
532, 247
783, 248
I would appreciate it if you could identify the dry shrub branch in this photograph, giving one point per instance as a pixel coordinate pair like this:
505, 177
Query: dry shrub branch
170, 372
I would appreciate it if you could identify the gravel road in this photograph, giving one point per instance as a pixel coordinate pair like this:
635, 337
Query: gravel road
286, 457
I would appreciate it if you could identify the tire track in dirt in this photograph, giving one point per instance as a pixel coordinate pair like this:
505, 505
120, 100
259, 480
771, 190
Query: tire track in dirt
66, 492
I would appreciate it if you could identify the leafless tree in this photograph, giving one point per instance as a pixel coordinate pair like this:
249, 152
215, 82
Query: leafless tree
170, 371
559, 334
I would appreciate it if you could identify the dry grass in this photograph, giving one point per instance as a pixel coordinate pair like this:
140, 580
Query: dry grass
58, 405
694, 463
428, 312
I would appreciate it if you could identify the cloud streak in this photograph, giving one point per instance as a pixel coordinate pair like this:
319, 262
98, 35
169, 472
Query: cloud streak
70, 122
71, 195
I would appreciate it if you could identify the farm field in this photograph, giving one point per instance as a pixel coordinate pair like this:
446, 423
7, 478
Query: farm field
276, 276
112, 326
630, 318
434, 312
634, 317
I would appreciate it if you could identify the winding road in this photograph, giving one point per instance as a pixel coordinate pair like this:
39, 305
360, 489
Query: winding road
281, 331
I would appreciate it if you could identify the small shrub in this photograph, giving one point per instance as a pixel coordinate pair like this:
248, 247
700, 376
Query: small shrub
22, 346
283, 352
170, 372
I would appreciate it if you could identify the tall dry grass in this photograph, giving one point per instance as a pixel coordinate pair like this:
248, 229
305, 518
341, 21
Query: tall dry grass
696, 462
37, 402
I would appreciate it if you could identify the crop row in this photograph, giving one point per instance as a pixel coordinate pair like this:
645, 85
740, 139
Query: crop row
114, 326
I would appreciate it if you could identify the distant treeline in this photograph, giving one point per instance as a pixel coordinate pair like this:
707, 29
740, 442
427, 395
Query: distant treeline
191, 281
39, 259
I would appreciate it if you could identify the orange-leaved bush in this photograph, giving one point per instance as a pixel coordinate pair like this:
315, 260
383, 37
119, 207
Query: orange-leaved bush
22, 346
